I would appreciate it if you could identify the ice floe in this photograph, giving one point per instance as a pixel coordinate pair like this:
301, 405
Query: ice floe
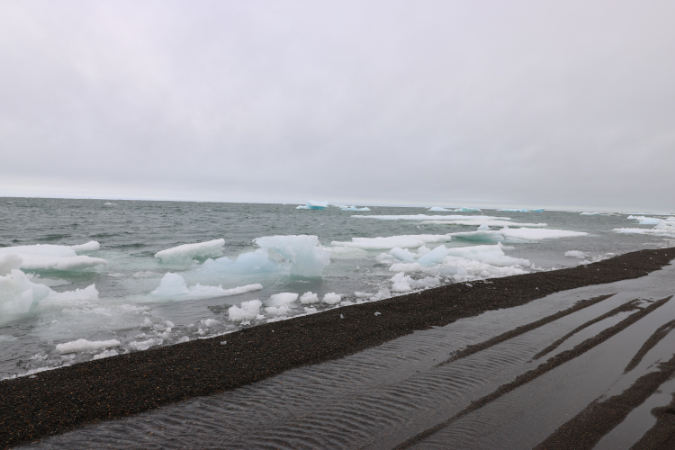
522, 210
55, 257
662, 227
312, 204
515, 235
173, 287
246, 311
354, 208
403, 241
307, 256
187, 252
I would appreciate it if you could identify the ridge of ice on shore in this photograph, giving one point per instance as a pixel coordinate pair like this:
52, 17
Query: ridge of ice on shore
460, 264
173, 287
55, 257
313, 204
187, 252
83, 345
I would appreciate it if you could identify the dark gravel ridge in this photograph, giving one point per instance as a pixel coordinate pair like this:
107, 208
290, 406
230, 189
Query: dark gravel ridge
60, 400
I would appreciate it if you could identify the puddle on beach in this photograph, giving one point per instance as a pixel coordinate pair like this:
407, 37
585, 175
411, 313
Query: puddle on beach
386, 395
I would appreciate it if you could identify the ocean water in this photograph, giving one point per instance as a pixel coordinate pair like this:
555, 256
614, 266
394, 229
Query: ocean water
61, 305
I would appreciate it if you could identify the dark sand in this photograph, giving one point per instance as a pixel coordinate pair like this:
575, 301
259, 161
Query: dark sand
60, 400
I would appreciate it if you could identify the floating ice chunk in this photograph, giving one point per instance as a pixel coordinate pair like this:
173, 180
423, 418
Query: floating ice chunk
144, 345
401, 282
53, 257
576, 254
354, 208
186, 253
426, 217
402, 254
465, 209
210, 323
246, 311
18, 295
173, 287
312, 204
436, 256
183, 339
523, 210
105, 354
109, 204
282, 310
646, 220
309, 297
306, 254
310, 310
404, 241
282, 298
250, 263
490, 254
83, 345
438, 209
516, 235
484, 227
90, 246
332, 298
9, 262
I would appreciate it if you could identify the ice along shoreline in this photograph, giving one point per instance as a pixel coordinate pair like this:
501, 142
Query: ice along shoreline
62, 399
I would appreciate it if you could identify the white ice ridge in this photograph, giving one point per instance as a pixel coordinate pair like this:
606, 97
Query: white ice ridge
662, 227
307, 255
354, 208
173, 287
187, 252
522, 210
515, 235
313, 204
83, 345
403, 241
424, 217
55, 257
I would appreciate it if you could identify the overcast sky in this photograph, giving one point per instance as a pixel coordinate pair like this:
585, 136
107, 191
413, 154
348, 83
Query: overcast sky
554, 104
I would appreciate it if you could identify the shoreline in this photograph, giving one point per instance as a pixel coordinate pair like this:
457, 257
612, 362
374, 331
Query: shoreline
60, 400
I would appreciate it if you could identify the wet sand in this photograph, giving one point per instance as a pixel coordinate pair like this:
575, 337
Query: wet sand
61, 400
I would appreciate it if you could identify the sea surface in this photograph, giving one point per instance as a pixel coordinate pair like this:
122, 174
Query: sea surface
60, 304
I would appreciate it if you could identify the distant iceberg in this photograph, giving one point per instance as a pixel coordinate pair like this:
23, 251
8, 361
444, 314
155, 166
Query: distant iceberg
312, 204
354, 208
439, 209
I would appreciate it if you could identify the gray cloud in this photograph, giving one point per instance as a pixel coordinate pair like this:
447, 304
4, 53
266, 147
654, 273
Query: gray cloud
555, 104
